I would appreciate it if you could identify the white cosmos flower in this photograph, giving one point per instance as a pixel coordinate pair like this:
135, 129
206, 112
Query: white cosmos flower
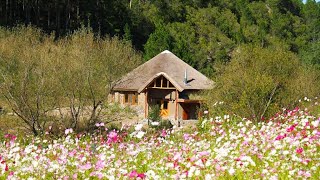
208, 177
155, 123
140, 134
138, 127
197, 172
315, 123
35, 164
16, 149
285, 152
231, 171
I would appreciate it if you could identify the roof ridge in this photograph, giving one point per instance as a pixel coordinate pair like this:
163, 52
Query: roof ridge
166, 51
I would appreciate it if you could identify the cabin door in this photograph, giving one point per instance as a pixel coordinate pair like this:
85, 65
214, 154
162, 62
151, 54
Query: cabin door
164, 110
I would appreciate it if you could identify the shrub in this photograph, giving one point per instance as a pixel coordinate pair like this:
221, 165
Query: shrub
154, 114
163, 124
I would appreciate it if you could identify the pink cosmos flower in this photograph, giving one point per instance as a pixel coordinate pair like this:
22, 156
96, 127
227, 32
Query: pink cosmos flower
141, 175
133, 174
100, 165
100, 124
112, 137
307, 174
164, 133
68, 131
10, 176
299, 150
85, 167
291, 128
204, 153
279, 137
72, 153
186, 137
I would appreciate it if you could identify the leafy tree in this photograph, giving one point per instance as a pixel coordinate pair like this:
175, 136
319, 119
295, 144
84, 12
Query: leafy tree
26, 76
47, 81
259, 82
310, 37
93, 71
158, 41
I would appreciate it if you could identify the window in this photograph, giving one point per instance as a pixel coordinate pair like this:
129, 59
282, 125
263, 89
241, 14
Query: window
134, 98
126, 98
131, 98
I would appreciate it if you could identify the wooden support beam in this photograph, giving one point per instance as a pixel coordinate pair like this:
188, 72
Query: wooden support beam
146, 104
176, 104
161, 81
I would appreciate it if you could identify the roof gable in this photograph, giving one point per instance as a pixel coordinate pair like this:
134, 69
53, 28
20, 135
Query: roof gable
168, 65
152, 79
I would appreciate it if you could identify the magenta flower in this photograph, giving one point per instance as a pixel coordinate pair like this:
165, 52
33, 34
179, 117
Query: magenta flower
291, 128
279, 137
299, 150
112, 137
133, 174
141, 175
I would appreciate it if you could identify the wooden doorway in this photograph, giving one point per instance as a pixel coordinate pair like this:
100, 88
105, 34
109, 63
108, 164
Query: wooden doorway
164, 110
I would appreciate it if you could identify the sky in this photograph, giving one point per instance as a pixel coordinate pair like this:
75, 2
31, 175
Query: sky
306, 0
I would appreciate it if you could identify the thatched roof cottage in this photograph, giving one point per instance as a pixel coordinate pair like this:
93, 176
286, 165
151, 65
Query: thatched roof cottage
164, 80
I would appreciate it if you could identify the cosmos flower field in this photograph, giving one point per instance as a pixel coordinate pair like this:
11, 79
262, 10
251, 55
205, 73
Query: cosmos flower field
285, 147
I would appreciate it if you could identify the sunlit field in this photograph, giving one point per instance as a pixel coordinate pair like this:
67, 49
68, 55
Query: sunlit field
284, 147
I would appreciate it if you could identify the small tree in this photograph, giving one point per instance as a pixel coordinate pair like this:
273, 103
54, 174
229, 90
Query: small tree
26, 78
90, 67
154, 113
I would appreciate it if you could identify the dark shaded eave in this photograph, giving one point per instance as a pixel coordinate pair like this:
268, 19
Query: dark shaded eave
123, 89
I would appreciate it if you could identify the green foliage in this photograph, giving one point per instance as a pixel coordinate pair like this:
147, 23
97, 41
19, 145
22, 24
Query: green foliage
155, 117
154, 113
44, 80
310, 37
158, 41
259, 82
163, 124
201, 32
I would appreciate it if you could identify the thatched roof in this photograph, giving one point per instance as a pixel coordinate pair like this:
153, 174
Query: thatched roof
168, 65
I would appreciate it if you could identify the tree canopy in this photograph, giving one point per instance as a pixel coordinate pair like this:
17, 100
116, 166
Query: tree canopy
50, 82
202, 32
258, 82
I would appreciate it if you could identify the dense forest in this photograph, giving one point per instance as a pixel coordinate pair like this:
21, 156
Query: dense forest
202, 32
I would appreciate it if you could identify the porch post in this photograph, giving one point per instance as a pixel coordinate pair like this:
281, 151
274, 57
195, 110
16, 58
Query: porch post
146, 104
176, 103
